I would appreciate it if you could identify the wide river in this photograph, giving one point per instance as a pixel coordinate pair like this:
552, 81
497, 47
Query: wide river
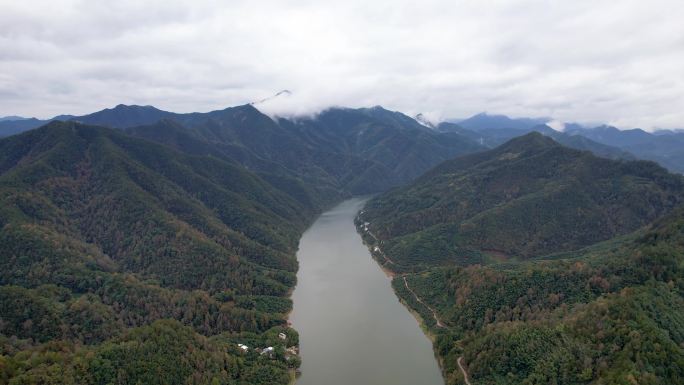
352, 328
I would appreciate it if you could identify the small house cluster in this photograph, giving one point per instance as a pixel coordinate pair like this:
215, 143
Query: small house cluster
270, 350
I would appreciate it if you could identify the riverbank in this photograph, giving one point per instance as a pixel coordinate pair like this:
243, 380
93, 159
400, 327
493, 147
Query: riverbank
378, 255
373, 245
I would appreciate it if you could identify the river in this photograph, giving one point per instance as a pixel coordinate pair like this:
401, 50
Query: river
352, 328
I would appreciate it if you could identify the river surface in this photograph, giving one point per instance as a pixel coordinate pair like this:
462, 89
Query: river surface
352, 328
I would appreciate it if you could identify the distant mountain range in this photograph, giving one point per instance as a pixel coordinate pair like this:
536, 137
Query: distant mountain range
485, 121
135, 238
486, 130
356, 150
132, 254
120, 116
665, 147
11, 118
534, 263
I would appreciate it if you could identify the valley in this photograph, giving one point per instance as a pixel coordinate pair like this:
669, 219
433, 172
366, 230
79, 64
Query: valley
176, 241
341, 193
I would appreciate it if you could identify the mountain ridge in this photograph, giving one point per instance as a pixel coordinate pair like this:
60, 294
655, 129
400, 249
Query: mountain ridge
118, 252
525, 198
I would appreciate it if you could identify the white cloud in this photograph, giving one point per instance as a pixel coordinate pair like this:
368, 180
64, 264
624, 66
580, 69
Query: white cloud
556, 125
582, 60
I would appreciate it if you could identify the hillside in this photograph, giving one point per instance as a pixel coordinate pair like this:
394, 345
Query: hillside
608, 314
527, 198
104, 235
464, 242
353, 151
338, 152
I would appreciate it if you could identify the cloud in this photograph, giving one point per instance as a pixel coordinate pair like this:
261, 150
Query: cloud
556, 125
583, 60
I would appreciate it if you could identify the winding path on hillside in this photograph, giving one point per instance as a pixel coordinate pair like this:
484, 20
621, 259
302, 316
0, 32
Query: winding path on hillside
434, 312
459, 361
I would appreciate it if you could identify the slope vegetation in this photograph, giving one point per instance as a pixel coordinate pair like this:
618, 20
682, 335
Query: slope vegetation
105, 235
358, 151
607, 310
527, 198
608, 314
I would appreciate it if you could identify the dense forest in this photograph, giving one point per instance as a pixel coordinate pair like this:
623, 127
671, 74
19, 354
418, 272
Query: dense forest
124, 261
605, 312
150, 251
337, 152
358, 151
146, 252
528, 197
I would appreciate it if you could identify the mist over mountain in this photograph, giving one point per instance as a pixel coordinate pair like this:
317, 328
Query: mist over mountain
664, 147
356, 150
487, 130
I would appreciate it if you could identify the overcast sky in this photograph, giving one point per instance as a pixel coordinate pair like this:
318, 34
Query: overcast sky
617, 61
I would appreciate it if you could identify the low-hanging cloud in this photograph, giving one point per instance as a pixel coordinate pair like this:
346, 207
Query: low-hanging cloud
585, 60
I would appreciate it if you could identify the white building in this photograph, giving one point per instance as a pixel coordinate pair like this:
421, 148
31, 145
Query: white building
269, 350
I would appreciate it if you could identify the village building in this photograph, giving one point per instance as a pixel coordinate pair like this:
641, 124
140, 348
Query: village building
269, 350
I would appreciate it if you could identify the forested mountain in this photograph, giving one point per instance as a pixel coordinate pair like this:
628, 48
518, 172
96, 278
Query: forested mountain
338, 151
492, 136
11, 118
123, 116
358, 151
526, 198
609, 314
485, 121
120, 116
607, 311
166, 239
103, 235
120, 254
13, 127
666, 148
